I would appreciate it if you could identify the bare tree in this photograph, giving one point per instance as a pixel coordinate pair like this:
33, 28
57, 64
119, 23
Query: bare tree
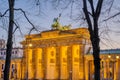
9, 40
11, 31
92, 11
92, 21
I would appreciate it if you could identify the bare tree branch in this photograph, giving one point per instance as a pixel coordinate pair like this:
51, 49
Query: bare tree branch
92, 7
15, 27
1, 15
57, 2
98, 8
112, 16
4, 24
37, 2
111, 4
71, 12
33, 27
87, 16
19, 29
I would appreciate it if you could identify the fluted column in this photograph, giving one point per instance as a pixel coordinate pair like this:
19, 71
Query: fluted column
51, 72
86, 70
63, 62
37, 61
105, 69
18, 70
23, 66
29, 69
75, 63
108, 68
118, 70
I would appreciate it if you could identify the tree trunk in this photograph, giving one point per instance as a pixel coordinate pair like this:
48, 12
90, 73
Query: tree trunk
9, 40
96, 49
92, 20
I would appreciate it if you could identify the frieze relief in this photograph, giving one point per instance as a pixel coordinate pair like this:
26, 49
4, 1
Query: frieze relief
55, 43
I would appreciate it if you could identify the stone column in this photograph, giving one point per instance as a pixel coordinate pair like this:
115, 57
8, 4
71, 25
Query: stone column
23, 66
18, 70
51, 72
91, 69
86, 70
75, 63
115, 69
1, 69
10, 75
38, 69
118, 69
105, 69
29, 69
63, 62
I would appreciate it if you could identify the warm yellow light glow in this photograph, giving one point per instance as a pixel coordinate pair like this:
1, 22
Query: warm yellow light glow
30, 45
117, 57
109, 56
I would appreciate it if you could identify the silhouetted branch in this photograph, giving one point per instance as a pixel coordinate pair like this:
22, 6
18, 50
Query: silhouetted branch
37, 2
98, 8
15, 27
88, 17
111, 4
92, 6
33, 27
1, 15
112, 16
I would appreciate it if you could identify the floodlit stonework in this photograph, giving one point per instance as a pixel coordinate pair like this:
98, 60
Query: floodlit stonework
55, 54
15, 67
59, 55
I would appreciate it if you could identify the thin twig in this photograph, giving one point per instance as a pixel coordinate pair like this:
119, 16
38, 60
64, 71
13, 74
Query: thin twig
1, 15
112, 16
33, 27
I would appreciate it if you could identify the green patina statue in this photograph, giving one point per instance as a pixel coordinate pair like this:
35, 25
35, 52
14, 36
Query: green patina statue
58, 26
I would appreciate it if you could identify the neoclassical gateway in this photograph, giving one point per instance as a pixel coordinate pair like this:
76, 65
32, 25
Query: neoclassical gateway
64, 54
55, 54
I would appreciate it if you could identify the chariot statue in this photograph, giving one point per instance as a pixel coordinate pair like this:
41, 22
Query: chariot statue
57, 26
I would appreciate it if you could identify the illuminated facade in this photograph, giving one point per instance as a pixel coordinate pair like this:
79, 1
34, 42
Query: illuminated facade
60, 55
15, 67
64, 55
16, 57
110, 65
55, 55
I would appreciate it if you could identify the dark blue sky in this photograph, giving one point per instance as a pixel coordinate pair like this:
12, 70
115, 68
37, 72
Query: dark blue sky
43, 19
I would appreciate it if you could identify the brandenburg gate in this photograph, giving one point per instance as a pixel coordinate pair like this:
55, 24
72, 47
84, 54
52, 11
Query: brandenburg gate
55, 54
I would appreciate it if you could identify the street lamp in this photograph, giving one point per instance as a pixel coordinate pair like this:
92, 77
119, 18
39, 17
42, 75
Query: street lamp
117, 57
109, 56
30, 45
